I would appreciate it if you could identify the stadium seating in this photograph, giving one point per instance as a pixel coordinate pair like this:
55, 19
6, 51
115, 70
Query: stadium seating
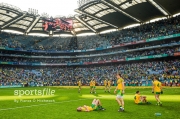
25, 65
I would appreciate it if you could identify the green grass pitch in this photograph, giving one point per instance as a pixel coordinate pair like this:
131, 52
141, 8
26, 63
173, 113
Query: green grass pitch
63, 104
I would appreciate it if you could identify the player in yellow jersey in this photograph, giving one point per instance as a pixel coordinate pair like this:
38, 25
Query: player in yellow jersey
157, 90
94, 86
79, 85
109, 85
105, 85
120, 91
139, 99
95, 106
91, 86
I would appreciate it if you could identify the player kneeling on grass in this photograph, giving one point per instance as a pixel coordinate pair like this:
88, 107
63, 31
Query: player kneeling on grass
95, 106
138, 99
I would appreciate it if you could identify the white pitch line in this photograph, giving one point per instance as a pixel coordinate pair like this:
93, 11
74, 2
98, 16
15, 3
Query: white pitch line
40, 105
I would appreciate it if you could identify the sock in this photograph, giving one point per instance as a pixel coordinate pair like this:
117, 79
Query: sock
100, 107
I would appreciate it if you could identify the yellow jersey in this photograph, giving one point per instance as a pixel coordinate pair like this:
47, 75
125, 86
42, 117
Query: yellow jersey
91, 83
105, 82
109, 83
86, 108
157, 86
120, 83
79, 83
137, 98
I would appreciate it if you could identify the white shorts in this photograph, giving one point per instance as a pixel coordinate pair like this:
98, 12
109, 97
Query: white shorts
119, 96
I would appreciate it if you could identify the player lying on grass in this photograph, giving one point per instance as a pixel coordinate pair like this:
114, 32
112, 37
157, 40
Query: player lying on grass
138, 99
95, 106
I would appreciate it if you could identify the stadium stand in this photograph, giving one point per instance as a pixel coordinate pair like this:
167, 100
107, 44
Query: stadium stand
135, 72
160, 28
138, 53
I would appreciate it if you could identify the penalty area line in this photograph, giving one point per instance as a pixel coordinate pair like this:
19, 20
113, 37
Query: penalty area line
40, 105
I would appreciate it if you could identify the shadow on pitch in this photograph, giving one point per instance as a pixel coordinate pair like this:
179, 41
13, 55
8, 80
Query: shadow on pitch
95, 94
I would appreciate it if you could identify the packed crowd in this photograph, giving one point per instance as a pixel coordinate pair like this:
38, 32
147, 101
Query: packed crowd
159, 51
163, 43
133, 73
160, 28
156, 29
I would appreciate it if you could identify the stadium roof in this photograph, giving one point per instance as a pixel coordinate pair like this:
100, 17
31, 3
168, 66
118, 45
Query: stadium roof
95, 16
